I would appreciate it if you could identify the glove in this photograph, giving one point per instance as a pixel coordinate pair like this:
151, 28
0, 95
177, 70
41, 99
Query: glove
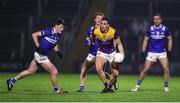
86, 42
142, 56
168, 54
41, 51
59, 54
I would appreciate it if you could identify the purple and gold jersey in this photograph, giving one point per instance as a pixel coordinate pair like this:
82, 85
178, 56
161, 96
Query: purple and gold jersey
157, 38
106, 40
94, 43
48, 40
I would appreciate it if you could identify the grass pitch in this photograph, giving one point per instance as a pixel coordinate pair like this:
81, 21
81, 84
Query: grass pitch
38, 88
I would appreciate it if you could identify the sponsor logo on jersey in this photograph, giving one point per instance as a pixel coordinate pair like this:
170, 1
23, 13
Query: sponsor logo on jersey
53, 41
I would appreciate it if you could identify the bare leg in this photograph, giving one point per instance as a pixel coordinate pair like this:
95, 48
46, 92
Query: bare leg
147, 66
85, 67
115, 73
99, 68
29, 71
115, 70
165, 65
52, 70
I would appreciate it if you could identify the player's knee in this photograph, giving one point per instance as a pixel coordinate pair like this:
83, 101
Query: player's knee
166, 71
54, 72
99, 69
30, 72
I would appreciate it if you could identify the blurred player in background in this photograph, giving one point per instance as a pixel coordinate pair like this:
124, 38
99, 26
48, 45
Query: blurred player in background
44, 40
90, 59
156, 37
107, 40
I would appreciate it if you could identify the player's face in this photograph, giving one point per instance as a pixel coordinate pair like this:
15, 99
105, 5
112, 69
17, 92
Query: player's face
98, 19
157, 20
59, 28
104, 26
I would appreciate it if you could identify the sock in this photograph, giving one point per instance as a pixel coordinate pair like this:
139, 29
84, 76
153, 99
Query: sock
56, 88
13, 80
139, 82
165, 83
81, 88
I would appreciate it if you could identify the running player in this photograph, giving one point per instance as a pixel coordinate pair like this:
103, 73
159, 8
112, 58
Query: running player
44, 40
90, 59
107, 38
155, 38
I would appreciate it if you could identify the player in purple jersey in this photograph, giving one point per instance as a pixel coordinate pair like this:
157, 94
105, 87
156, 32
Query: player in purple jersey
90, 59
155, 38
108, 39
44, 40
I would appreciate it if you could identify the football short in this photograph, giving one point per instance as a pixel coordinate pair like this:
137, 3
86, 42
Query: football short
154, 56
106, 56
40, 58
91, 57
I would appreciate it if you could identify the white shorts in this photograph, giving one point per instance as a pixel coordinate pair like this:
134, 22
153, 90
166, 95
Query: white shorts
91, 57
40, 58
108, 57
154, 56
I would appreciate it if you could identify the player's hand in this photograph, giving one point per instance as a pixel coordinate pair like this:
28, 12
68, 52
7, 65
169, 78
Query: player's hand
86, 42
59, 53
169, 54
41, 51
142, 56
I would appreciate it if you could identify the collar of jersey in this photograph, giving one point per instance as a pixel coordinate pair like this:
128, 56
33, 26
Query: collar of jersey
158, 27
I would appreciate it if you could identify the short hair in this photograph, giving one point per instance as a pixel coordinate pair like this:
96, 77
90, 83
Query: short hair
99, 13
60, 21
106, 19
158, 14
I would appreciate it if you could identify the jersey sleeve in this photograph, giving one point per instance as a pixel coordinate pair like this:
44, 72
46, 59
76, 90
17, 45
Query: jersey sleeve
116, 35
45, 32
148, 32
167, 32
90, 31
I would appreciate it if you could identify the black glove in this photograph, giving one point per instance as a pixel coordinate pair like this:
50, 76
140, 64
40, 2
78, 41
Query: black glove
142, 56
169, 54
41, 51
59, 54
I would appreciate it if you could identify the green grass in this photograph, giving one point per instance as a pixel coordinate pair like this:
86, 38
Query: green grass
38, 88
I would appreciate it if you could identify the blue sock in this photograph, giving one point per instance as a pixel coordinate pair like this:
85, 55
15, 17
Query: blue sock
139, 82
13, 80
81, 88
165, 83
56, 88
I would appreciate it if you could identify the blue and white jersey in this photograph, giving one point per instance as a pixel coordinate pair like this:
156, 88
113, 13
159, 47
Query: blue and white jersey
157, 38
94, 43
48, 40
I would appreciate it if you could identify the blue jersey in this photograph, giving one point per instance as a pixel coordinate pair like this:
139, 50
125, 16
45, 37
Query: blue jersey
157, 38
94, 43
48, 40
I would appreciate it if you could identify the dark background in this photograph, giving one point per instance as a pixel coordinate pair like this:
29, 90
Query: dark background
20, 18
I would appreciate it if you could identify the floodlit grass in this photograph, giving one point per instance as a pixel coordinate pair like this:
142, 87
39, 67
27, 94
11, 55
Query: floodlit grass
38, 88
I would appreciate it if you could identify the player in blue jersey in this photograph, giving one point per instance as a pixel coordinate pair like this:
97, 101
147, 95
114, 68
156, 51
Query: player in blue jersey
90, 59
156, 37
44, 40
